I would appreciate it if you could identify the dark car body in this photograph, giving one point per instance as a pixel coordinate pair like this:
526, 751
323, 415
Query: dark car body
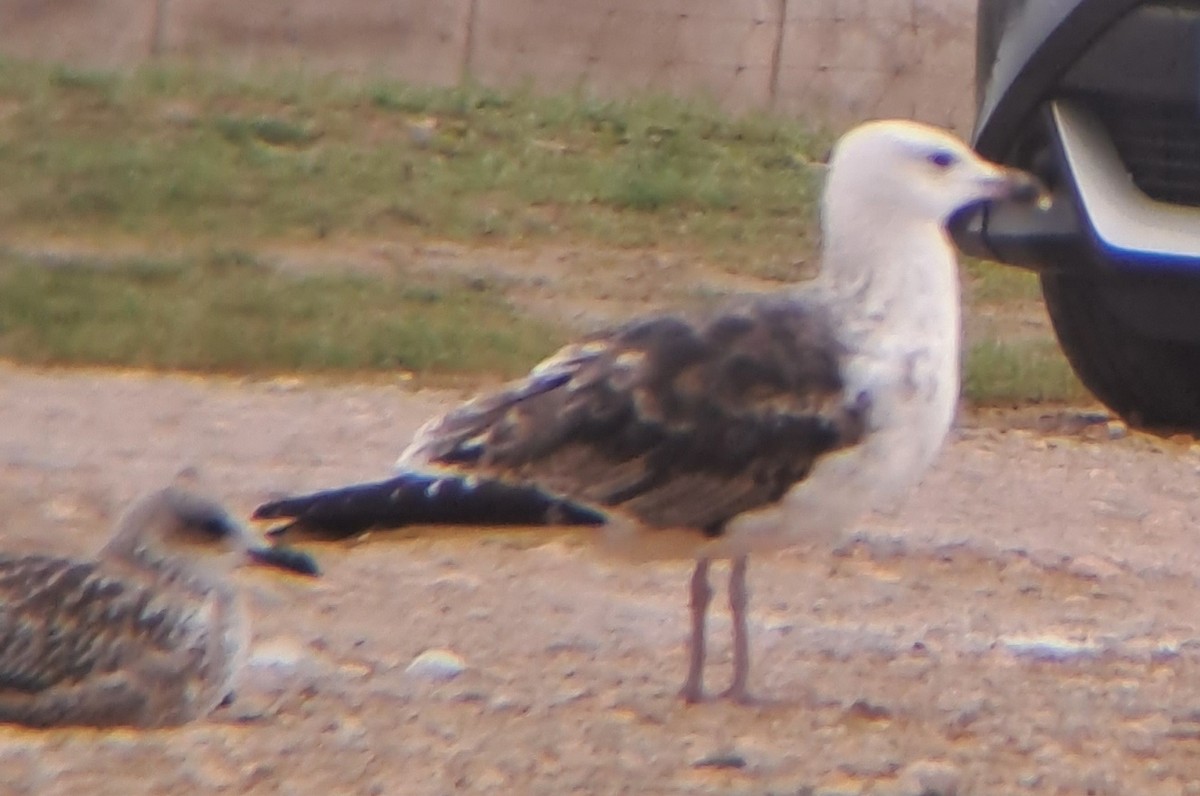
1101, 99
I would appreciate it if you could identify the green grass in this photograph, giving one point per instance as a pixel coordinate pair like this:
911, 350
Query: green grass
228, 313
191, 154
996, 285
216, 168
1027, 371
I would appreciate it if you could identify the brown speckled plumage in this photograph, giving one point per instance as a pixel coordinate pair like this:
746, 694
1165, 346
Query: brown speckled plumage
147, 634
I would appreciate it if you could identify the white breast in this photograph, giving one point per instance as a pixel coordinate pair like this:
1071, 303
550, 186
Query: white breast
903, 330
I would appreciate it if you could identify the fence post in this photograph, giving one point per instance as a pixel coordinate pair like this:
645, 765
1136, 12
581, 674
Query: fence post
468, 59
158, 27
777, 55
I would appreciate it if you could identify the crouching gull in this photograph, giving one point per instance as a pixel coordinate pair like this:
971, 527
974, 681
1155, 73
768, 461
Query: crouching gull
778, 419
148, 634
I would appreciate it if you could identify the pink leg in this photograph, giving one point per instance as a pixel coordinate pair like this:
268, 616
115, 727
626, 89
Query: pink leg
701, 594
738, 601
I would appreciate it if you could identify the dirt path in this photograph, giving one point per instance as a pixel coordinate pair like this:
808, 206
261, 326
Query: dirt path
1026, 623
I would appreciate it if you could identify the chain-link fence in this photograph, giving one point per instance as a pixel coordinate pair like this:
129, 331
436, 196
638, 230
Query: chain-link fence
831, 61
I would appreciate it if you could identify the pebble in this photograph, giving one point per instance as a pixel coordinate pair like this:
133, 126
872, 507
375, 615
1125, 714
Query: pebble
1093, 567
869, 711
570, 695
471, 695
508, 702
1119, 507
457, 581
1142, 742
930, 778
278, 653
437, 664
721, 760
959, 716
1049, 649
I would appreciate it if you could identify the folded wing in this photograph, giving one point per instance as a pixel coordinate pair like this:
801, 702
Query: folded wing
679, 423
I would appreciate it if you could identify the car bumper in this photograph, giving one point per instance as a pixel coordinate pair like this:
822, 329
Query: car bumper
1097, 211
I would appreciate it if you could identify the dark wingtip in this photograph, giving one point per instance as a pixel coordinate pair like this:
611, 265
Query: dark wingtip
286, 558
268, 511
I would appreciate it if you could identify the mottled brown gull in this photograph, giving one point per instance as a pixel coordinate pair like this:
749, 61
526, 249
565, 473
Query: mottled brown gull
147, 634
778, 419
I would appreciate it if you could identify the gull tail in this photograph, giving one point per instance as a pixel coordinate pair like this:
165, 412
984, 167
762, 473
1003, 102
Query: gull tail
421, 499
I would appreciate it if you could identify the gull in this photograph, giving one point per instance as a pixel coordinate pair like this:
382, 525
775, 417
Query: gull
147, 634
772, 421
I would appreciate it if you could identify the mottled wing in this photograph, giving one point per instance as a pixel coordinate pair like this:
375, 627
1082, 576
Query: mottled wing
63, 622
680, 423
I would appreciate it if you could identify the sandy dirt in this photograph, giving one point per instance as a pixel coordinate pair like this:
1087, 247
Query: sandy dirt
1025, 623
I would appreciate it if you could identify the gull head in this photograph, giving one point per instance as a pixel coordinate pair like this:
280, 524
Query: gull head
912, 171
179, 529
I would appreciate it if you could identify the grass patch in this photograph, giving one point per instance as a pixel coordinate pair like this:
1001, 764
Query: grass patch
999, 372
230, 313
192, 154
993, 284
1012, 355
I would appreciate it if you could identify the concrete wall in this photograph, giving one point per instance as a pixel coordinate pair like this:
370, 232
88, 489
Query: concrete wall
832, 61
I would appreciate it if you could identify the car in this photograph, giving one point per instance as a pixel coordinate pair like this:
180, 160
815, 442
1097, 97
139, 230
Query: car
1101, 100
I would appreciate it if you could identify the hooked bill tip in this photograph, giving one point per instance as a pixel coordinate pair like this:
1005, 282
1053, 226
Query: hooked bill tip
285, 558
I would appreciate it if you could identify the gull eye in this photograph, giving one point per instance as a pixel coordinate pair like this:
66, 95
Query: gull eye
216, 527
942, 159
208, 523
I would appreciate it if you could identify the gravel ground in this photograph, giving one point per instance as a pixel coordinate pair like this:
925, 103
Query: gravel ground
1025, 623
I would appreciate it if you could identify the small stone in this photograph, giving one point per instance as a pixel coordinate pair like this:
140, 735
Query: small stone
247, 712
960, 716
278, 653
1050, 649
1093, 567
1143, 743
868, 711
437, 664
356, 670
930, 778
721, 760
456, 581
471, 695
570, 695
256, 774
1120, 507
507, 702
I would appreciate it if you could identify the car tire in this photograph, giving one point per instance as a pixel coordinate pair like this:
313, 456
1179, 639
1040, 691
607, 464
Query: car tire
1150, 383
